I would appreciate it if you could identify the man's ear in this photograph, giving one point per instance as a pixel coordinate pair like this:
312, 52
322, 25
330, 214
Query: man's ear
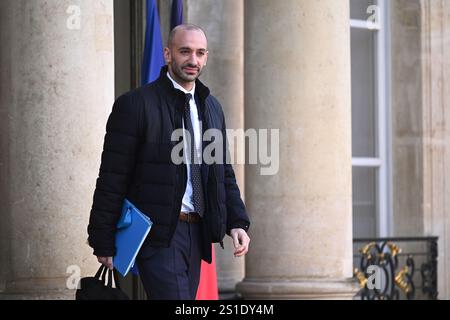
207, 56
167, 55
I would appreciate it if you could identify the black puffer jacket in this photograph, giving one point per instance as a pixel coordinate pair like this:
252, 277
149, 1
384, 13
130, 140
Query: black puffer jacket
136, 164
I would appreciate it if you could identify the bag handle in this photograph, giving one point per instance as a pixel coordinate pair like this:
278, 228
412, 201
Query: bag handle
104, 272
116, 279
100, 275
99, 272
112, 274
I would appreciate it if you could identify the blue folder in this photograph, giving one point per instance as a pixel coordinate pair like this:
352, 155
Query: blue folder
132, 229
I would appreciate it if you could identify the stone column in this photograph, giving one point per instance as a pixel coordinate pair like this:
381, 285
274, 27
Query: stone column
435, 129
57, 89
297, 67
223, 22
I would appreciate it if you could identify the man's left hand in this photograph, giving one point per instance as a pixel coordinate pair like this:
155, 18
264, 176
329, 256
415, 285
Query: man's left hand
241, 242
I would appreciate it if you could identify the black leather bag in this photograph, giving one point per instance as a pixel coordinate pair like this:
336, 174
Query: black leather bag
96, 288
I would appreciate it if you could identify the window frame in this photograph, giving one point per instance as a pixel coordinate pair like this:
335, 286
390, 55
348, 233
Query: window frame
383, 137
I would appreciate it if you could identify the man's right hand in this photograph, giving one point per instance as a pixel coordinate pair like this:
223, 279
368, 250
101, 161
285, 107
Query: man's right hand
106, 261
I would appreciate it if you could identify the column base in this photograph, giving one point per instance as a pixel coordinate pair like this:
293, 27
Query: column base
37, 289
316, 289
56, 295
228, 285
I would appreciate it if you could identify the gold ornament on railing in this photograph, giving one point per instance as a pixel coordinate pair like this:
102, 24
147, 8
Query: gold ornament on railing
395, 250
361, 278
401, 280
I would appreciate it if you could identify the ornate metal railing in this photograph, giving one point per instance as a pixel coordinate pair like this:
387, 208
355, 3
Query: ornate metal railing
396, 268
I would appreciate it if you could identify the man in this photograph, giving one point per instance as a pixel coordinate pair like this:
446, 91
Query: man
192, 204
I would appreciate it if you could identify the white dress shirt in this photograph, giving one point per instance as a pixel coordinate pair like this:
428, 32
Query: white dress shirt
188, 202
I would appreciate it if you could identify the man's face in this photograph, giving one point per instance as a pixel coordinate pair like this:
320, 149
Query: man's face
187, 56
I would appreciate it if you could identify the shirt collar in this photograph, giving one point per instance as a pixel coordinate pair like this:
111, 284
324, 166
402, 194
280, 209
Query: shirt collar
177, 86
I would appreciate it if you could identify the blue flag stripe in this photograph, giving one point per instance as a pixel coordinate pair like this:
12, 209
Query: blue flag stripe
177, 13
153, 53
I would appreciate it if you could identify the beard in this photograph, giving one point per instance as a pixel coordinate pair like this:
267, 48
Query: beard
180, 73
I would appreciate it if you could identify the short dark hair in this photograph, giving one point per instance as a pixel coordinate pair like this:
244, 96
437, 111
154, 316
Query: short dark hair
186, 26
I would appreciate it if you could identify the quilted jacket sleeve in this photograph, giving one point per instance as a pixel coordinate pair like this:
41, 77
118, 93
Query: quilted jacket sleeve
116, 170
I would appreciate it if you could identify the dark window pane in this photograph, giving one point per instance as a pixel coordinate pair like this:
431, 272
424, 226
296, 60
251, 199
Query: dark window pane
358, 9
364, 126
364, 202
